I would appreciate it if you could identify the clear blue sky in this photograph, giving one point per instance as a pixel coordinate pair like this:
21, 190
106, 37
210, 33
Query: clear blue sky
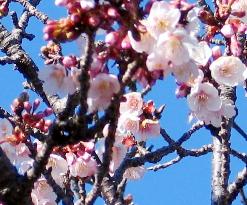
186, 183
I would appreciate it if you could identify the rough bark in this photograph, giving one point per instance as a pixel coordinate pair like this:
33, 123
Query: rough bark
221, 154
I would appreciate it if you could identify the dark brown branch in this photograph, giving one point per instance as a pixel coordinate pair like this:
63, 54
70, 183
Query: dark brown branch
241, 156
239, 130
11, 183
182, 154
244, 199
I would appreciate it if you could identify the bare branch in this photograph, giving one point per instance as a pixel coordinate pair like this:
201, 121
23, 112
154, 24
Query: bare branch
235, 187
239, 130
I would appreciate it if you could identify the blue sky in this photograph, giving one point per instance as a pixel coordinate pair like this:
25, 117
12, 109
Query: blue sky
186, 183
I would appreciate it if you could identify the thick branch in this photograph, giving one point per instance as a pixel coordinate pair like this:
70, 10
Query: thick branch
221, 153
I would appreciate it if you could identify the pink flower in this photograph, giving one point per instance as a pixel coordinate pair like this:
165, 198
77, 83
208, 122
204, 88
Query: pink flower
204, 97
200, 53
186, 71
133, 103
128, 122
59, 168
173, 46
149, 128
42, 193
134, 173
101, 90
118, 154
57, 81
146, 43
82, 166
157, 62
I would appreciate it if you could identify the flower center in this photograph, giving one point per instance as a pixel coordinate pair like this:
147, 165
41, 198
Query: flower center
225, 71
202, 97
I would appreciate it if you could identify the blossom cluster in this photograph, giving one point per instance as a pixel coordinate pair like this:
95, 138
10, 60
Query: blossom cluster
172, 47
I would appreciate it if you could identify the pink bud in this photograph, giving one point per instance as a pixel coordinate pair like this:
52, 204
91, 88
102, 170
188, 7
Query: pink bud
39, 115
45, 129
76, 18
125, 44
242, 28
93, 21
227, 30
216, 52
48, 111
112, 12
48, 123
36, 104
27, 106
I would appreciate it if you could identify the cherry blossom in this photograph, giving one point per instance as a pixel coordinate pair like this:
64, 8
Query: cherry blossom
200, 53
57, 81
193, 25
59, 168
228, 70
118, 154
129, 122
174, 46
146, 43
42, 193
149, 128
82, 166
134, 173
186, 71
101, 90
162, 17
157, 62
204, 97
133, 103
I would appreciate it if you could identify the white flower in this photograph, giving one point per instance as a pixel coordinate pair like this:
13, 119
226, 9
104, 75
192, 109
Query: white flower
149, 128
200, 53
82, 166
59, 168
146, 43
118, 154
173, 46
228, 70
134, 173
204, 97
87, 4
162, 18
214, 118
5, 128
128, 122
193, 25
42, 193
157, 62
185, 72
133, 103
57, 81
101, 90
